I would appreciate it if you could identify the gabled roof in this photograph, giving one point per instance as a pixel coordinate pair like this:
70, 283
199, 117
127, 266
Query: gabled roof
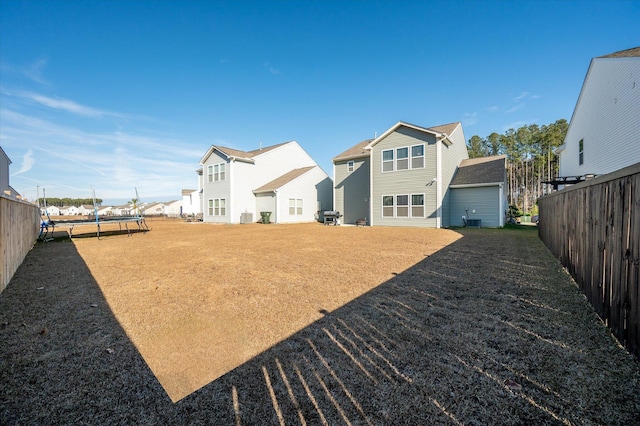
629, 53
441, 132
356, 151
281, 181
236, 154
5, 154
483, 170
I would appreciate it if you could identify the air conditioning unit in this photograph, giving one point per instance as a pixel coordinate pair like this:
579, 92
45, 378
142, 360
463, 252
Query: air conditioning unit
246, 217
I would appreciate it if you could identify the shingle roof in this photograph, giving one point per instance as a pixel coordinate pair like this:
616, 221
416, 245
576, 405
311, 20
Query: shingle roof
358, 150
480, 170
246, 154
283, 180
355, 151
445, 128
187, 191
633, 52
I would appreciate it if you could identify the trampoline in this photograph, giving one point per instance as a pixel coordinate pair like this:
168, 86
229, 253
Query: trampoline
48, 227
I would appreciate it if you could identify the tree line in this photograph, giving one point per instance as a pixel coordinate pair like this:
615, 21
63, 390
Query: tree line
64, 202
531, 159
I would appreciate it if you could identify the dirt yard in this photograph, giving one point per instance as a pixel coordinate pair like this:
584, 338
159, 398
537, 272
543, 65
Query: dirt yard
198, 300
309, 324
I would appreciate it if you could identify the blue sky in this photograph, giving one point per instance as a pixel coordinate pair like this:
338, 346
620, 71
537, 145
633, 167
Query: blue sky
117, 95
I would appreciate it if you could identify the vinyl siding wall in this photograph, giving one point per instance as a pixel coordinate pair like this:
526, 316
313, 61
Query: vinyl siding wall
606, 118
352, 189
416, 181
220, 189
304, 188
242, 178
484, 200
452, 155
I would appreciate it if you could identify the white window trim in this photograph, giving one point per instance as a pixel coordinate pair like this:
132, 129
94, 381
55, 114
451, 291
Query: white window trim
351, 166
216, 174
410, 206
392, 161
409, 158
298, 207
210, 173
211, 207
393, 197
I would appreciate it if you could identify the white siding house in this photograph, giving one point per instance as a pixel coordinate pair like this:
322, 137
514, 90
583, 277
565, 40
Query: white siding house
238, 185
5, 188
172, 208
604, 132
4, 171
192, 199
52, 211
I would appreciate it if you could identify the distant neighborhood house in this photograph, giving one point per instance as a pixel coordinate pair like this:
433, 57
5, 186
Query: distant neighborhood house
419, 176
6, 189
280, 180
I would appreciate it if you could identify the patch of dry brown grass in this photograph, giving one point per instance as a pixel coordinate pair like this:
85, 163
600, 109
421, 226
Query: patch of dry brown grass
198, 299
487, 330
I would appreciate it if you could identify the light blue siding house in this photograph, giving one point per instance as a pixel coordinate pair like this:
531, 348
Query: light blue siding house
404, 176
478, 192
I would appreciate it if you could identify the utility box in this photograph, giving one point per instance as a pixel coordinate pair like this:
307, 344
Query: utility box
474, 223
246, 217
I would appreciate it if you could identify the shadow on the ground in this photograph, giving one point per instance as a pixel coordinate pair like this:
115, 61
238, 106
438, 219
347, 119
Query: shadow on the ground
488, 330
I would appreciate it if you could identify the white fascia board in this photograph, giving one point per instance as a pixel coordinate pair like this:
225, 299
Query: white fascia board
208, 154
353, 157
393, 128
476, 185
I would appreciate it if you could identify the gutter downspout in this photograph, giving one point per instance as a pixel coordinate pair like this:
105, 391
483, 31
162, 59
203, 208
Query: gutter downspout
371, 194
277, 208
439, 141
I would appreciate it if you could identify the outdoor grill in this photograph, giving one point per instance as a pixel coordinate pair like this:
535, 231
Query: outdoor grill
332, 217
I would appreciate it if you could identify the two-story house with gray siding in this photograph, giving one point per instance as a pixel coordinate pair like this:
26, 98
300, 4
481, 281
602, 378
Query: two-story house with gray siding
281, 179
403, 178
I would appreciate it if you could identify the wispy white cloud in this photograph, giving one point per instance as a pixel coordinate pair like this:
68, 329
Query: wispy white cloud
469, 118
515, 108
515, 125
521, 96
72, 158
272, 69
34, 71
493, 108
65, 105
27, 163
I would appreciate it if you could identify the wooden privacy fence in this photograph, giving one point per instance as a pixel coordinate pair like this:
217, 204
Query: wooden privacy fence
19, 229
594, 229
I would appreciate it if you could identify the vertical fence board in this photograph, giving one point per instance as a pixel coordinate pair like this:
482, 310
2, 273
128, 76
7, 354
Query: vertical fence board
633, 268
593, 229
19, 227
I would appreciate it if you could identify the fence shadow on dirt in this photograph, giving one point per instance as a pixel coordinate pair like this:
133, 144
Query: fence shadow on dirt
488, 330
